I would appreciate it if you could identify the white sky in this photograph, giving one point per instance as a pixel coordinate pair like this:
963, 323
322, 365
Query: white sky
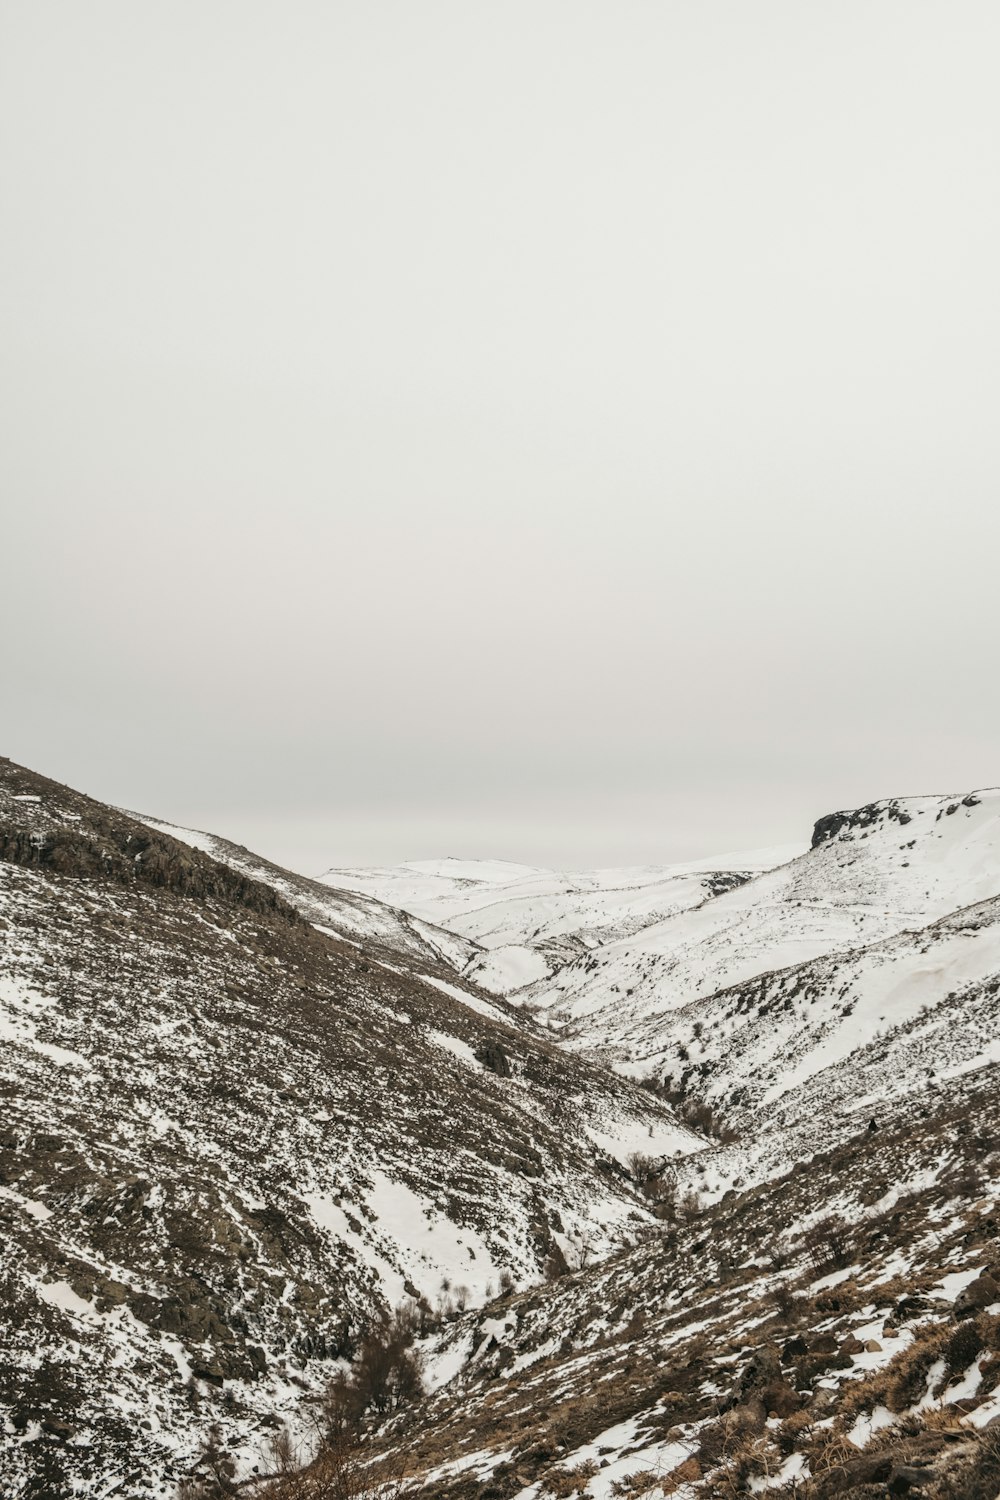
555, 430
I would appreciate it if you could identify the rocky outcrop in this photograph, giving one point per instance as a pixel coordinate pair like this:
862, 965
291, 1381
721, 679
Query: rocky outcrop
494, 1059
858, 818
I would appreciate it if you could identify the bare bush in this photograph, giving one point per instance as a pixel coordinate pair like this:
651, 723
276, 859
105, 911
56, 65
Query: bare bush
828, 1243
654, 1182
341, 1472
385, 1375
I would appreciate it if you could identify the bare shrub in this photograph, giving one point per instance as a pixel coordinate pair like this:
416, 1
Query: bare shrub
828, 1243
983, 1475
909, 1371
215, 1471
385, 1375
654, 1183
689, 1206
640, 1165
341, 1472
701, 1116
565, 1482
963, 1346
795, 1430
788, 1303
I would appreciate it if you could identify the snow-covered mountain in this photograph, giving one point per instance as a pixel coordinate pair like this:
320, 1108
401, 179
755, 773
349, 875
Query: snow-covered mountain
694, 1168
869, 874
231, 1141
350, 914
528, 923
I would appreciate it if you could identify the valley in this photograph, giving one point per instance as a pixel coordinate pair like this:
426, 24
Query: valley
681, 1174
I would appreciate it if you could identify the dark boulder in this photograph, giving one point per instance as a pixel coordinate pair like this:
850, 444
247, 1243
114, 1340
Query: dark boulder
494, 1059
761, 1383
978, 1294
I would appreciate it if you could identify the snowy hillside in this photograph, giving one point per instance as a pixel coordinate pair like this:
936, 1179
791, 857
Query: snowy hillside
530, 922
810, 1338
801, 1058
349, 914
230, 1141
870, 873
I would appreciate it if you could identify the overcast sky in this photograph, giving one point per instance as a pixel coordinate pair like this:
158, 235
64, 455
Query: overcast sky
565, 431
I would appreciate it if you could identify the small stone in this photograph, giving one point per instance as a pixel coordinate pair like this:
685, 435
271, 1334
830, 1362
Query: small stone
978, 1294
57, 1428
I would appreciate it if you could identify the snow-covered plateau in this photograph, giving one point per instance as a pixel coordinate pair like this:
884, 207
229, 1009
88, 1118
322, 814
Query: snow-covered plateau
686, 1177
